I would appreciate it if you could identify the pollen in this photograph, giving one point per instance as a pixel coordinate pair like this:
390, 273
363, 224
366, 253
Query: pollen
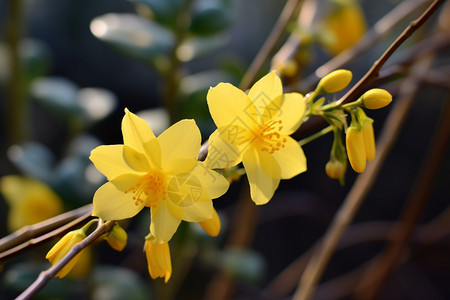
149, 188
268, 137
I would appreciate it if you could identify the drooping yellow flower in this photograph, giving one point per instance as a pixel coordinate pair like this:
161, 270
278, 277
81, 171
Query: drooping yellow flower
117, 238
355, 148
255, 129
157, 172
30, 201
62, 247
158, 259
212, 226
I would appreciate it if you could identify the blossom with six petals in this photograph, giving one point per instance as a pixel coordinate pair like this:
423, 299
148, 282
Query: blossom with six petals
255, 129
157, 172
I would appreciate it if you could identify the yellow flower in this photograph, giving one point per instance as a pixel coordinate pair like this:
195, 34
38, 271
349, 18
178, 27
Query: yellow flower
158, 259
255, 129
117, 238
62, 247
369, 138
345, 26
30, 201
212, 226
355, 148
157, 172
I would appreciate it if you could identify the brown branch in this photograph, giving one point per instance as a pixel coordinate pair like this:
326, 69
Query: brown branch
290, 8
45, 276
378, 272
5, 255
31, 231
373, 73
365, 181
381, 29
427, 234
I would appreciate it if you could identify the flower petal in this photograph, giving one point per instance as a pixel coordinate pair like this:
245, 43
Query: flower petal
110, 161
289, 108
291, 159
238, 136
188, 199
125, 181
221, 154
212, 182
138, 161
265, 90
262, 184
229, 105
112, 204
136, 132
163, 223
180, 145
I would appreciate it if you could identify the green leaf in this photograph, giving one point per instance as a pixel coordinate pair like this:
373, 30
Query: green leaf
163, 11
243, 265
20, 276
197, 46
96, 103
33, 159
135, 36
57, 94
111, 283
210, 17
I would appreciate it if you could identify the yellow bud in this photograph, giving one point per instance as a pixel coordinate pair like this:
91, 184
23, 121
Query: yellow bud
334, 169
355, 149
335, 81
158, 259
212, 226
62, 247
117, 238
83, 266
369, 139
376, 98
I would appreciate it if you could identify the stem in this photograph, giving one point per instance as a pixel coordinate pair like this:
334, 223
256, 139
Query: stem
378, 272
289, 10
28, 232
45, 276
373, 73
360, 189
35, 241
316, 135
15, 94
382, 28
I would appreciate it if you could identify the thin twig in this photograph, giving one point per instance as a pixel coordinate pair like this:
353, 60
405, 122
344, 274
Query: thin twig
31, 231
373, 73
430, 233
378, 272
289, 10
45, 276
35, 241
381, 29
365, 181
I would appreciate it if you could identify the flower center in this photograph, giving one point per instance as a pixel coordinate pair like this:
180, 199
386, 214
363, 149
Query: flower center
149, 188
268, 136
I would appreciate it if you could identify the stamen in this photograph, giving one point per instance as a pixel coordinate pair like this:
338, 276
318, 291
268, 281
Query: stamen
149, 188
268, 136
